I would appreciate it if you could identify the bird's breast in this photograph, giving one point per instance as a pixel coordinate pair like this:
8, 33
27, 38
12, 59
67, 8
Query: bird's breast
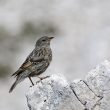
48, 54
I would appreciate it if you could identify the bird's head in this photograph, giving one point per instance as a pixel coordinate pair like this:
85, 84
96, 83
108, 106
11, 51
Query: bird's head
44, 41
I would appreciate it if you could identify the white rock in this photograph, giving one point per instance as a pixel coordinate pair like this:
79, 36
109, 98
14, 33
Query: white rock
98, 81
54, 93
84, 94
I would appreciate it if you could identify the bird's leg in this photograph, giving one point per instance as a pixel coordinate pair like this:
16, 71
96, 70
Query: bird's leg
41, 78
31, 81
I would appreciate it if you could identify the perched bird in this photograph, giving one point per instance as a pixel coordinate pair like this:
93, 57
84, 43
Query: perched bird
36, 63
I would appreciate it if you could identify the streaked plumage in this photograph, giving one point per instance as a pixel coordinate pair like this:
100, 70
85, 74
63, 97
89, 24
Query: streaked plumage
36, 63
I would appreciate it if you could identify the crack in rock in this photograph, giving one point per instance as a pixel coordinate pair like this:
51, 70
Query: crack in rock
78, 97
84, 94
97, 103
91, 89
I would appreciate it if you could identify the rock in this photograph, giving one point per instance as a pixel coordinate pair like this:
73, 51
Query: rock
55, 93
84, 94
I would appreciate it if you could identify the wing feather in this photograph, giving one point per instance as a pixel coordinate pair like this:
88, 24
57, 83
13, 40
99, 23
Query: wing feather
35, 56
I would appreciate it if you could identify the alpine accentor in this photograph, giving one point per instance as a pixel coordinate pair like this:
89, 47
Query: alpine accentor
36, 63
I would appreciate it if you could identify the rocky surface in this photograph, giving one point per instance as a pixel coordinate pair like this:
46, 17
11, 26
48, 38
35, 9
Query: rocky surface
55, 93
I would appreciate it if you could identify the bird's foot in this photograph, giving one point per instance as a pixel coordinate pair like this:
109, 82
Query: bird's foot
32, 85
41, 78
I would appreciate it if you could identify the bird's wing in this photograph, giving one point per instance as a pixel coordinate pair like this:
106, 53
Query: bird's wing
33, 57
26, 64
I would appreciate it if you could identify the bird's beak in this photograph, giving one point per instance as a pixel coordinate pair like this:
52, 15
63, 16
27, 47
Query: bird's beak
51, 38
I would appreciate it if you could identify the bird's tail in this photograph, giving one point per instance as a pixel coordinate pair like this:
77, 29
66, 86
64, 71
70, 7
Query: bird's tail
13, 86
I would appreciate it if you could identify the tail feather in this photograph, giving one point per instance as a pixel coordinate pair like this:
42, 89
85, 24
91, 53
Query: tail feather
19, 77
17, 72
13, 86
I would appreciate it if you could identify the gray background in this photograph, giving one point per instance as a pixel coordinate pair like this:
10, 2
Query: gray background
82, 34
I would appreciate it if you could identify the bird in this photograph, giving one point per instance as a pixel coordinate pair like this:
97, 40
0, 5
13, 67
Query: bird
36, 63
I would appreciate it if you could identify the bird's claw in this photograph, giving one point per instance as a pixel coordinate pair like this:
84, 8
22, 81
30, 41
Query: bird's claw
41, 78
32, 85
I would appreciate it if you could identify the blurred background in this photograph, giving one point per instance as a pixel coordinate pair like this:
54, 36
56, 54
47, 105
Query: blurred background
82, 40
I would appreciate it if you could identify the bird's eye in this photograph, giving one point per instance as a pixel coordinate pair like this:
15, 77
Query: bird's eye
44, 40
